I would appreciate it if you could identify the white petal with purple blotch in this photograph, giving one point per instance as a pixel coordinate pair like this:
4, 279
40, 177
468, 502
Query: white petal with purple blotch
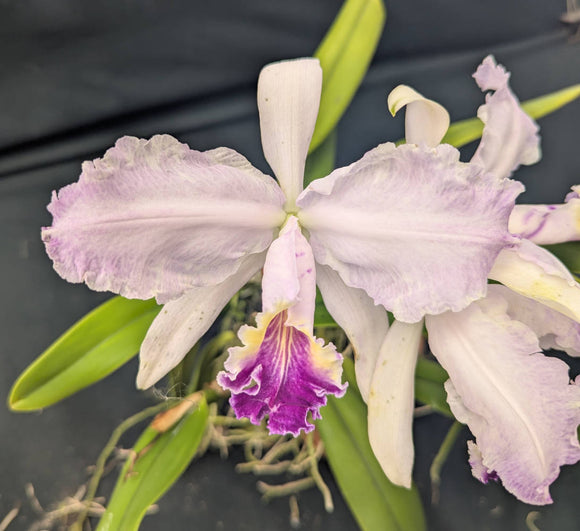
547, 224
426, 121
183, 321
391, 402
289, 281
155, 218
412, 226
553, 329
288, 100
365, 323
510, 136
538, 274
519, 404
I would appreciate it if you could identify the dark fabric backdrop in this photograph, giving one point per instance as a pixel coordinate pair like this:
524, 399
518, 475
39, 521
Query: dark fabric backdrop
76, 75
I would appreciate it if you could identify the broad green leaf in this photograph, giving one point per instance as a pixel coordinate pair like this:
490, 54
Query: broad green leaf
429, 380
345, 54
465, 131
374, 501
91, 349
569, 255
161, 459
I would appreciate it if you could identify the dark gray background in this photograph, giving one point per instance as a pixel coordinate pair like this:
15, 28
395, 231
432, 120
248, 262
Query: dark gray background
76, 75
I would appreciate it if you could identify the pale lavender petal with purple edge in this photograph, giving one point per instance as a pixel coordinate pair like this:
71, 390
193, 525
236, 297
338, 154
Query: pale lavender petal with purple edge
155, 218
183, 321
412, 226
553, 329
478, 469
510, 136
547, 224
518, 403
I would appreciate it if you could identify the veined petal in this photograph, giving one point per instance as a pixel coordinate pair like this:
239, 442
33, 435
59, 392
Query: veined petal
289, 281
391, 402
283, 372
553, 329
365, 323
546, 224
182, 322
426, 121
155, 218
518, 403
510, 137
536, 273
412, 226
288, 100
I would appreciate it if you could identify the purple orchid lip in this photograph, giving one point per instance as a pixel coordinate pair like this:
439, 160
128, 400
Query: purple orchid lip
287, 375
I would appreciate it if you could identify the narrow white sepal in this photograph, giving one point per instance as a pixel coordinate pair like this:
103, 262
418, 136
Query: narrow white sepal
391, 401
288, 101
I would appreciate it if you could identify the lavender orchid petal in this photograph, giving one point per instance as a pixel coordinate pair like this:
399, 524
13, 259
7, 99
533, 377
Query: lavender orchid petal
412, 226
282, 370
155, 218
536, 273
547, 224
553, 329
183, 321
426, 121
364, 323
518, 403
391, 402
510, 136
288, 100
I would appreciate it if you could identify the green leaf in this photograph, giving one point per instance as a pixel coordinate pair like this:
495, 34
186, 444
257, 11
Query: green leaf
465, 131
91, 349
345, 54
374, 501
569, 255
429, 389
161, 460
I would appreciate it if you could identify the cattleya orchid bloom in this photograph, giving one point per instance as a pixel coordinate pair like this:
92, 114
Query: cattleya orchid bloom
157, 219
519, 404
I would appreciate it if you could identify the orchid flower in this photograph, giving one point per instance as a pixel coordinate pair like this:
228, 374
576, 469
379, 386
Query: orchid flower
520, 405
158, 219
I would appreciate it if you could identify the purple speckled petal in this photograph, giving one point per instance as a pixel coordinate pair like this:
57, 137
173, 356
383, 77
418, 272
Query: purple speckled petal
510, 137
282, 372
536, 273
289, 280
519, 404
553, 329
155, 218
183, 321
547, 224
412, 226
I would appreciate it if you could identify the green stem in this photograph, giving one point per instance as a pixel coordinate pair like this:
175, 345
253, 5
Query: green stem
440, 458
108, 449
